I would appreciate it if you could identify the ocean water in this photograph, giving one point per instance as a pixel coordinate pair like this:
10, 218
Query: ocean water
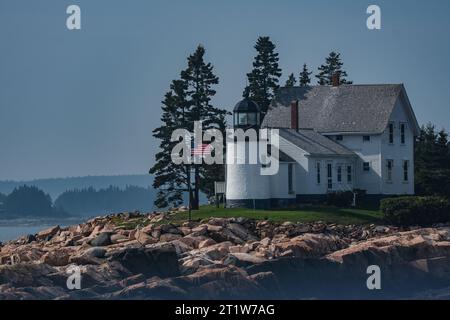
10, 230
14, 232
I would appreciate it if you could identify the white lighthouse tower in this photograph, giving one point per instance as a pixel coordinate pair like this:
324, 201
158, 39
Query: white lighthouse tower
245, 186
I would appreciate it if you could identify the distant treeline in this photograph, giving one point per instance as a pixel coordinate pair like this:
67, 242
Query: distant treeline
30, 201
56, 186
113, 199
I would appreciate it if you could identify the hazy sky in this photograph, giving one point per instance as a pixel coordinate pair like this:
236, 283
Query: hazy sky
85, 102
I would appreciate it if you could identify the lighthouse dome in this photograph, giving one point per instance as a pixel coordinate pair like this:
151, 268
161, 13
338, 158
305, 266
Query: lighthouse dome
246, 114
246, 105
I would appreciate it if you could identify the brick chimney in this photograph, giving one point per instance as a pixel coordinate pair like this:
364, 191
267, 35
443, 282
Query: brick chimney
294, 114
335, 79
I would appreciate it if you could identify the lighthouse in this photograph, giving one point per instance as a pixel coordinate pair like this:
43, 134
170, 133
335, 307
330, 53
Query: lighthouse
245, 186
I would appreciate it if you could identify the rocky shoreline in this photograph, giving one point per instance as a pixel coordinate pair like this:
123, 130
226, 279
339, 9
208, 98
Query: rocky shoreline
135, 256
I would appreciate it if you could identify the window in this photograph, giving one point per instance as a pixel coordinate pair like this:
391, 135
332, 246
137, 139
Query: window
390, 168
366, 138
402, 133
366, 166
318, 172
405, 170
291, 178
339, 174
339, 138
244, 119
329, 176
391, 132
349, 174
251, 118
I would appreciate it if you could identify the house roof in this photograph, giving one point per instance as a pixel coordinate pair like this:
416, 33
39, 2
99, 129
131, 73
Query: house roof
282, 156
346, 108
314, 143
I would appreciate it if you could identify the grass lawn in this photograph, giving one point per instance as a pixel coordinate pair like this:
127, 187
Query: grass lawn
310, 214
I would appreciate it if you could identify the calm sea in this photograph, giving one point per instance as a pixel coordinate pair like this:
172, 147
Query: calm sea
11, 231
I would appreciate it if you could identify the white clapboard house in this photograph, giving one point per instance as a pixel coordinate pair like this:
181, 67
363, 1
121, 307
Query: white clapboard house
332, 138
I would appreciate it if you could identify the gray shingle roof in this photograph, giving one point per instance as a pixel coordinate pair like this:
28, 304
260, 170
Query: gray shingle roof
314, 143
282, 157
347, 108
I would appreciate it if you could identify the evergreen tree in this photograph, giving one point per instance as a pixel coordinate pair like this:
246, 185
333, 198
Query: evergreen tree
170, 179
263, 79
28, 201
188, 101
432, 158
305, 76
290, 82
333, 65
443, 150
200, 79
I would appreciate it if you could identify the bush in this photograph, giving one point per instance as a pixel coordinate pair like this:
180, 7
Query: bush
411, 210
340, 199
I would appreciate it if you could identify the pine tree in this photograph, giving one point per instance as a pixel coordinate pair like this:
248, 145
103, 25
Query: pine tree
213, 172
333, 65
263, 79
290, 82
432, 158
200, 79
443, 151
170, 179
305, 76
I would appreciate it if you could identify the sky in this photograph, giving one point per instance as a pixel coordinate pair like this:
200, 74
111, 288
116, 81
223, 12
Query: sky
85, 102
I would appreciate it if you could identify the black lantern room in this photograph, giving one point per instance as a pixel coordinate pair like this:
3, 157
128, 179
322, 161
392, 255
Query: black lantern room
246, 114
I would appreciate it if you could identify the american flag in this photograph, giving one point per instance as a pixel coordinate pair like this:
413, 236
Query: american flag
202, 149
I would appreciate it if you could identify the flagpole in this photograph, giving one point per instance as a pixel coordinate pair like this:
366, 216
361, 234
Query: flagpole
189, 192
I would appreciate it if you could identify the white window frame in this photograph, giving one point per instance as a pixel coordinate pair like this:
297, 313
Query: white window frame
368, 162
405, 171
349, 173
339, 173
391, 133
389, 170
329, 175
291, 189
318, 173
403, 127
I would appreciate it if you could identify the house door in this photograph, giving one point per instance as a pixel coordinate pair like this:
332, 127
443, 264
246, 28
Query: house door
329, 176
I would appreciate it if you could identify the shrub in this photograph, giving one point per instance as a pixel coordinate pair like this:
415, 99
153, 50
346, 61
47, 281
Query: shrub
340, 199
412, 210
